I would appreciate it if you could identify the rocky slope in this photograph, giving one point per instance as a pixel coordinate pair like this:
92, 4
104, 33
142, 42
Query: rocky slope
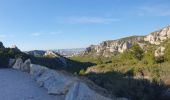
108, 48
63, 84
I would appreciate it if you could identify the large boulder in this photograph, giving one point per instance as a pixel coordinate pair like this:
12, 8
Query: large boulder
26, 66
23, 66
55, 82
37, 70
18, 64
80, 91
159, 51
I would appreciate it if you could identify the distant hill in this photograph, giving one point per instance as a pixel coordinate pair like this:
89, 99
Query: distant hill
110, 47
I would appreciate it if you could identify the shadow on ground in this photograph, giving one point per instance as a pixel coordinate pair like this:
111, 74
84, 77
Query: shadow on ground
135, 89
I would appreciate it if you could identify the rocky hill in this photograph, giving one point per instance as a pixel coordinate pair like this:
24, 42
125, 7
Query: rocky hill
109, 48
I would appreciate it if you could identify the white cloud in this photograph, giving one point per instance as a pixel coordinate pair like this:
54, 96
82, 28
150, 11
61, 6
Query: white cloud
91, 20
156, 10
37, 34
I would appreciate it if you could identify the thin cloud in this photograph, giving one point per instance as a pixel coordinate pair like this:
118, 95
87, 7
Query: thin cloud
156, 10
89, 20
37, 34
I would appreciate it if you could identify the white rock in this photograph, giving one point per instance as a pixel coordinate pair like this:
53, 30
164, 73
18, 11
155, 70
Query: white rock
18, 64
26, 66
159, 51
55, 82
37, 70
80, 91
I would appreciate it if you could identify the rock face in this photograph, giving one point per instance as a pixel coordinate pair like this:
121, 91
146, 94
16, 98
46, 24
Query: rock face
60, 83
158, 36
107, 47
159, 51
56, 55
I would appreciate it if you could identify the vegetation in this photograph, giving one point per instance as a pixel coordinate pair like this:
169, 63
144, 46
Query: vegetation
150, 74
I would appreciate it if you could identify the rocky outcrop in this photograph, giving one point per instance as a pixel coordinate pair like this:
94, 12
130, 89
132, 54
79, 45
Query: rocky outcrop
57, 56
61, 83
107, 48
159, 51
158, 36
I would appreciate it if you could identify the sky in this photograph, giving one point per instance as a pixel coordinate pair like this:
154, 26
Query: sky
62, 24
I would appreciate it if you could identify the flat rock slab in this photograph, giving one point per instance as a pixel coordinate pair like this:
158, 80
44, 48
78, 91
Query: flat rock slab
17, 85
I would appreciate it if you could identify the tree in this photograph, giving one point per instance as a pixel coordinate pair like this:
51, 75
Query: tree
137, 52
149, 57
167, 52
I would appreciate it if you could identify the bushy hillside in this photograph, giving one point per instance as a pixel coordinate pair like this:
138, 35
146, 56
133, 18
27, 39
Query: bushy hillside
140, 72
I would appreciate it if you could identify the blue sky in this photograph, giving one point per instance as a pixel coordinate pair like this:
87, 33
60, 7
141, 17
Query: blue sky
54, 24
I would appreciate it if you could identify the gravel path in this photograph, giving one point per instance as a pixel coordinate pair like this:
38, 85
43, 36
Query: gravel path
16, 85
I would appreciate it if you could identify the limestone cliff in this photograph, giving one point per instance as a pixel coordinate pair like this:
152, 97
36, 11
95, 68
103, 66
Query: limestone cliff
113, 46
158, 36
108, 48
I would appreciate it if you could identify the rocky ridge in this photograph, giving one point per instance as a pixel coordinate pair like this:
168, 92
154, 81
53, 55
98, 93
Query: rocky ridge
108, 48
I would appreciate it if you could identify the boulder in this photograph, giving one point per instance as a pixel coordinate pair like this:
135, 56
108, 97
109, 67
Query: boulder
159, 51
80, 91
37, 70
18, 64
26, 66
55, 82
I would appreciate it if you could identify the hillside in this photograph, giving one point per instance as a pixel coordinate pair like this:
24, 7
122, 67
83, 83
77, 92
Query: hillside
135, 67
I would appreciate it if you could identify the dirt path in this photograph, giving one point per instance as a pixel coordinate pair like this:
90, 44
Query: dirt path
16, 85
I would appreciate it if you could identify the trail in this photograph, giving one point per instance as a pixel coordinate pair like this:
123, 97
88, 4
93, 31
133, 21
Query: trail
16, 85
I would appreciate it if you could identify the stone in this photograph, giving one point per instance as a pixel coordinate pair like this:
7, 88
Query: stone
55, 82
80, 91
26, 66
159, 51
18, 64
37, 70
